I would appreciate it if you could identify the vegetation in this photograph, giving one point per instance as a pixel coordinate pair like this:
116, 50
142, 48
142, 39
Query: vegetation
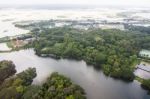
14, 87
114, 51
141, 29
56, 87
144, 31
7, 69
19, 86
145, 83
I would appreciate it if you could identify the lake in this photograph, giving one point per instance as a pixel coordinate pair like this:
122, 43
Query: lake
94, 82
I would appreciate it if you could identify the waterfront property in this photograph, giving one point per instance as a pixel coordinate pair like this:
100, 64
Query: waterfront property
145, 53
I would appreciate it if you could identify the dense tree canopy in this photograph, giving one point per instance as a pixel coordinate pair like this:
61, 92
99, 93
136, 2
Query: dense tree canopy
14, 87
56, 87
7, 68
20, 86
114, 51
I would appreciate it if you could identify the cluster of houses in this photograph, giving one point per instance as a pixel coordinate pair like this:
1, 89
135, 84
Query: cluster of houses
143, 69
21, 40
145, 53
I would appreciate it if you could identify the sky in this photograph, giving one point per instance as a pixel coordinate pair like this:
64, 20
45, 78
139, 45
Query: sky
81, 2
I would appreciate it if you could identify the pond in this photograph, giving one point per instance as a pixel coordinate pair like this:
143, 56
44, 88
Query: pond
94, 82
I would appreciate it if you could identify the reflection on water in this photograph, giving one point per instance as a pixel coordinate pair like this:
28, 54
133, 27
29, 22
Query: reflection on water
95, 83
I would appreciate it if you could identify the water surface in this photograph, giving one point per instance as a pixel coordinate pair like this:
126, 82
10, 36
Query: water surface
4, 47
95, 83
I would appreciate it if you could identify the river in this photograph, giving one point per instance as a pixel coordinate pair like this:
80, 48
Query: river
94, 82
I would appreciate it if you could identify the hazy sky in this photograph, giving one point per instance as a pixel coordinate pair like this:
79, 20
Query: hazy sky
86, 2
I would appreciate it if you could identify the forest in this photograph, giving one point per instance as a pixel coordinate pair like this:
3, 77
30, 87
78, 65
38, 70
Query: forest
20, 86
141, 29
114, 51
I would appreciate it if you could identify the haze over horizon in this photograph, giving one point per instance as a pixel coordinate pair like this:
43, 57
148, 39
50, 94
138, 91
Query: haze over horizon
143, 3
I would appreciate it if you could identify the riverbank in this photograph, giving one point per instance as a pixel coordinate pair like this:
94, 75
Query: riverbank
145, 83
93, 81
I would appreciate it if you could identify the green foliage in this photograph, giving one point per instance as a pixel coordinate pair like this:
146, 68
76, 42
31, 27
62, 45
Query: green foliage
146, 84
7, 68
19, 86
114, 51
59, 87
70, 97
14, 87
20, 89
27, 76
31, 92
